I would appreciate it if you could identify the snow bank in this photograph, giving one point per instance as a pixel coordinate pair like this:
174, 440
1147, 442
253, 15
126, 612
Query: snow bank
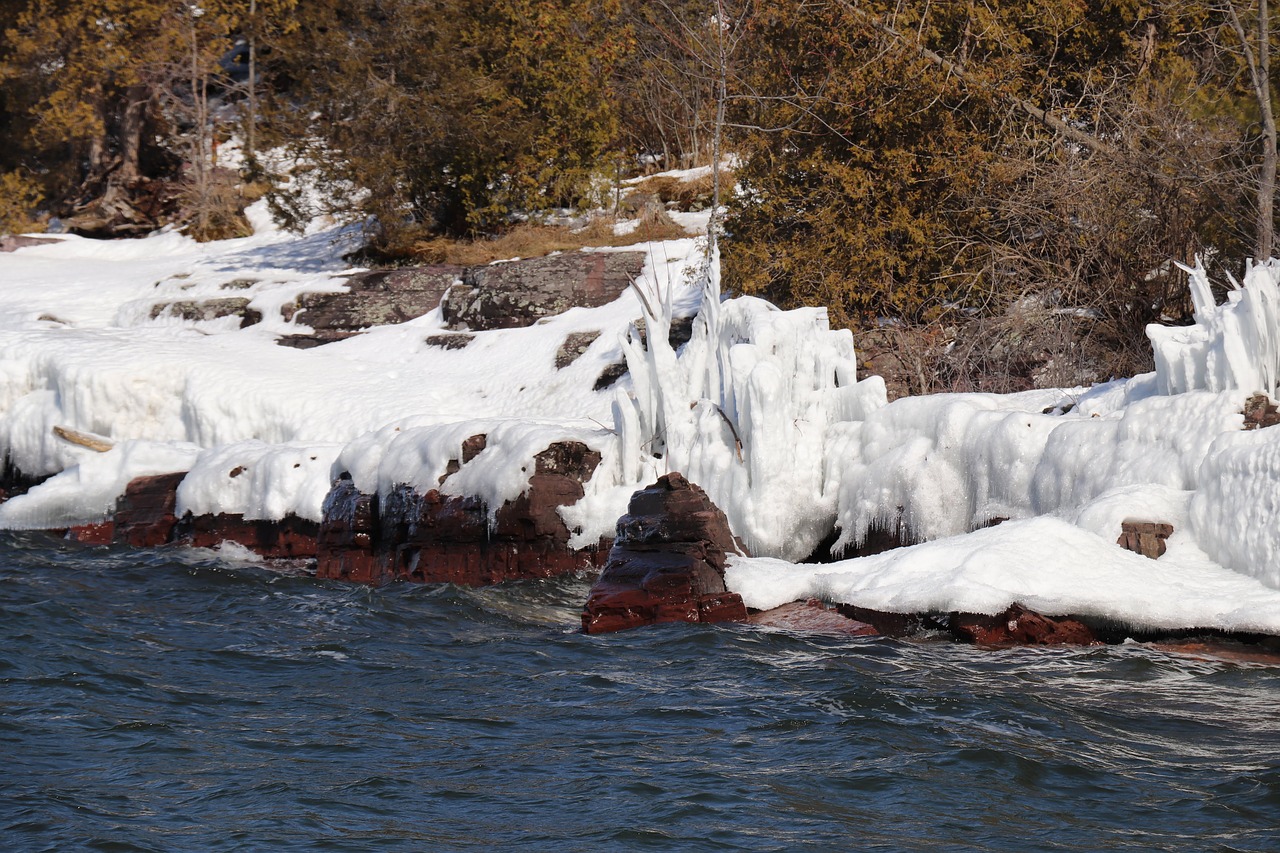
259, 480
1045, 564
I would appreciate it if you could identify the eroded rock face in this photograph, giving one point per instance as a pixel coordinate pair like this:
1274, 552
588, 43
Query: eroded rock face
438, 538
344, 544
1019, 626
289, 538
667, 563
145, 512
519, 293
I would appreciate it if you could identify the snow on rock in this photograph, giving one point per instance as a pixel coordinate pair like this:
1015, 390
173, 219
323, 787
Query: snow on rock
258, 480
86, 491
413, 453
762, 409
1045, 564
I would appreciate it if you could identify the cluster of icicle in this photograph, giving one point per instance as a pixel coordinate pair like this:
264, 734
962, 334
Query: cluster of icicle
744, 410
1230, 346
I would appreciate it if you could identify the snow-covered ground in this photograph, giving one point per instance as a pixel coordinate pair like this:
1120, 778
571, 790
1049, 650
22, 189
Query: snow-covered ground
762, 408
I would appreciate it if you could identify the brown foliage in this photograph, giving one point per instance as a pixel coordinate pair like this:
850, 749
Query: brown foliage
531, 240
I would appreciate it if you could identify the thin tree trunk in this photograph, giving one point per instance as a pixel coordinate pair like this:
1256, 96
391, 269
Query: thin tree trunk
1259, 65
253, 81
130, 133
1267, 181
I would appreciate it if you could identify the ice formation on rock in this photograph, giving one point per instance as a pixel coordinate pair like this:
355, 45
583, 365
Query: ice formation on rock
744, 410
1230, 346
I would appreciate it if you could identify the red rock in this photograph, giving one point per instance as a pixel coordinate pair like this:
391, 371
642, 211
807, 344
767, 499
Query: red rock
889, 624
344, 543
1018, 626
287, 538
666, 564
144, 514
102, 533
440, 538
1144, 537
812, 617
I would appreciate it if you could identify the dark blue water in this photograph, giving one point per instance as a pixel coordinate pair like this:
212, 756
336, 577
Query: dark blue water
166, 701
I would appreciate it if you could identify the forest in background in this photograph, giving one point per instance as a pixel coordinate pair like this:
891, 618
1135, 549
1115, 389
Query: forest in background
983, 188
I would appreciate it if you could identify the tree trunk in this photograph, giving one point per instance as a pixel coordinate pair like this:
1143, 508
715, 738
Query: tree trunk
129, 134
1259, 66
1267, 180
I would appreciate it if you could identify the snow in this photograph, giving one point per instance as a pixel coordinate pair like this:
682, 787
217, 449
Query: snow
763, 408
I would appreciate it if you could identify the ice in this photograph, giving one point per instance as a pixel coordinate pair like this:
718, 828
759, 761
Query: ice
1230, 346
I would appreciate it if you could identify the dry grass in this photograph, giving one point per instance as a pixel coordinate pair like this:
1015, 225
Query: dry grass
684, 195
531, 240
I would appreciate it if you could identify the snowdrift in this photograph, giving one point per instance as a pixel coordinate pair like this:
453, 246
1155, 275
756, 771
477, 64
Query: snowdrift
762, 408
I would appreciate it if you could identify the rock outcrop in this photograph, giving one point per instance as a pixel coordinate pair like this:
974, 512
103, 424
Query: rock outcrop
372, 299
144, 516
504, 295
209, 309
434, 537
1260, 413
519, 293
667, 563
1019, 626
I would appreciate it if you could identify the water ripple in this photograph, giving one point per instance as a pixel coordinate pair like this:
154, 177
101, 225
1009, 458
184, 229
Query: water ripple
166, 701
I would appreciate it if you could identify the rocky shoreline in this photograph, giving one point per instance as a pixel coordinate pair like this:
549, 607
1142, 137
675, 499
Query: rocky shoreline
665, 564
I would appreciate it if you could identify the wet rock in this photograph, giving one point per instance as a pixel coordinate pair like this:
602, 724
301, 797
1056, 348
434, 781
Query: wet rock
812, 617
667, 563
902, 625
1144, 537
102, 533
345, 541
288, 538
144, 516
1019, 626
209, 309
433, 537
519, 293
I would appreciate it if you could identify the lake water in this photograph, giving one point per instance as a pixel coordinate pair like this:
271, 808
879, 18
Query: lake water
171, 701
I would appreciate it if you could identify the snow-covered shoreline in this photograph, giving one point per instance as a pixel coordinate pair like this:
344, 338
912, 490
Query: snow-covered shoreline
762, 408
